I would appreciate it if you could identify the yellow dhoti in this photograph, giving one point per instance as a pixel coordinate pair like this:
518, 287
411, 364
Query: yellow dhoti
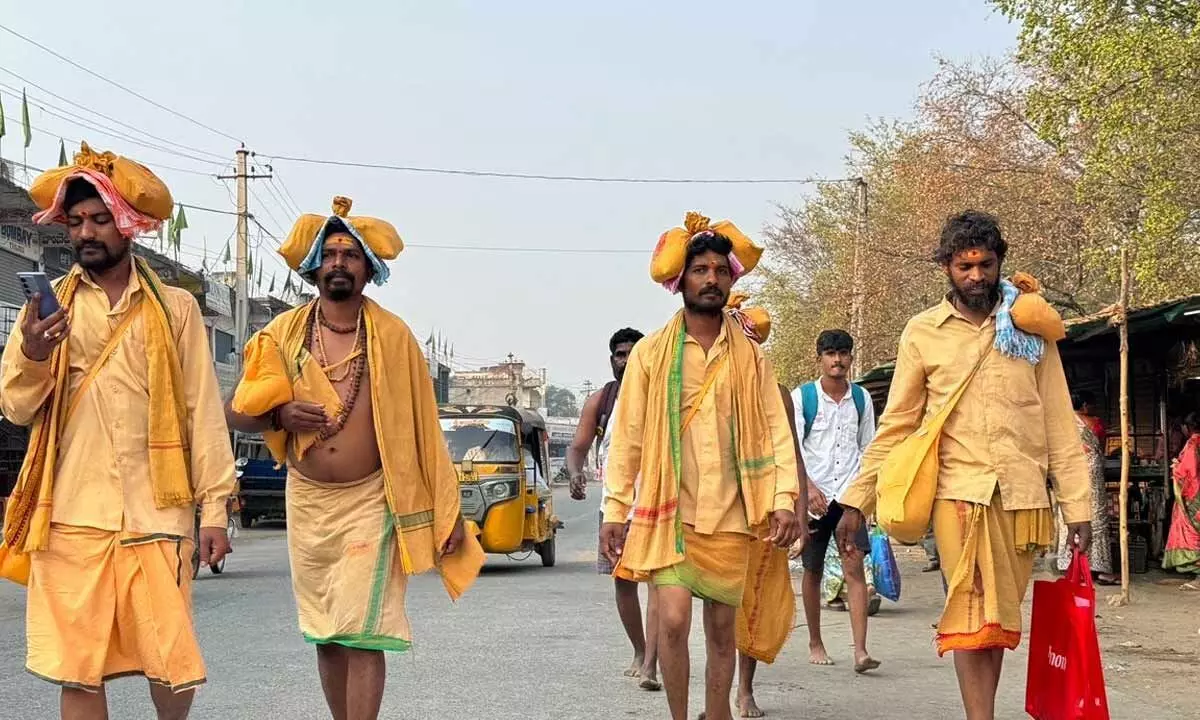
768, 611
346, 569
987, 556
103, 605
713, 568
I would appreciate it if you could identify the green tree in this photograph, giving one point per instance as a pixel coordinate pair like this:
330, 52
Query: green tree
561, 402
1117, 88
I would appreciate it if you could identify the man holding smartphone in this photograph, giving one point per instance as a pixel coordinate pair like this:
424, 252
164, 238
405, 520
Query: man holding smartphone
127, 438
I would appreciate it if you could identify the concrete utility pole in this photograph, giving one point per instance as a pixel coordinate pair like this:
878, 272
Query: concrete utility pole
241, 282
856, 299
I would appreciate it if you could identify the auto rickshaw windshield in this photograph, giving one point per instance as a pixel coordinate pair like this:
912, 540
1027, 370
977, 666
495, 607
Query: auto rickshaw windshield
487, 440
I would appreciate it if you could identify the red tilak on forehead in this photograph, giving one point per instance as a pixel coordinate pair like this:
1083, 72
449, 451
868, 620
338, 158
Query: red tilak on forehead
972, 254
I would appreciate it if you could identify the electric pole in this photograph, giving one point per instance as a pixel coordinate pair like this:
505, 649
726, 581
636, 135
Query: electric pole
241, 285
856, 300
241, 281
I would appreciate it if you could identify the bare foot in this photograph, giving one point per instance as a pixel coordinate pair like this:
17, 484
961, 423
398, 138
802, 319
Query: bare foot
650, 684
748, 708
635, 667
818, 656
865, 663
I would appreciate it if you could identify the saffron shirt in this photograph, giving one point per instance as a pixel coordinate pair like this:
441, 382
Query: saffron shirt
709, 495
102, 475
1013, 425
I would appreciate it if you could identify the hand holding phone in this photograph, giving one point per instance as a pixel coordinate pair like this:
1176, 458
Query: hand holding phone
36, 283
45, 324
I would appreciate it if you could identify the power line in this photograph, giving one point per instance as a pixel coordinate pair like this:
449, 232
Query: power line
117, 85
72, 118
97, 113
75, 141
566, 178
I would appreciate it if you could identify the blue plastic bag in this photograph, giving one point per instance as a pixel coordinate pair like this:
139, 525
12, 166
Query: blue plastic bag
883, 562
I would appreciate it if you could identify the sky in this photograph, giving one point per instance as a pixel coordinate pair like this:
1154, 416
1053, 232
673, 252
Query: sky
616, 89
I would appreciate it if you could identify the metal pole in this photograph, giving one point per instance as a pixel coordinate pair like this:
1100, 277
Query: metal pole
241, 315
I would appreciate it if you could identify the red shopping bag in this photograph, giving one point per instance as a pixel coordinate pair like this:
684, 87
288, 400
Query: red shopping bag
1065, 679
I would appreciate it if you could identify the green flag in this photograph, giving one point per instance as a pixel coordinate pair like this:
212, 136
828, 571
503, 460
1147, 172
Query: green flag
287, 284
25, 118
204, 262
62, 154
226, 260
249, 268
259, 283
272, 288
1, 118
178, 227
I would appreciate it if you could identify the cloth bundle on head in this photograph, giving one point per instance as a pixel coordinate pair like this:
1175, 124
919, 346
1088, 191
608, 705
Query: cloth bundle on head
138, 200
670, 255
755, 321
304, 247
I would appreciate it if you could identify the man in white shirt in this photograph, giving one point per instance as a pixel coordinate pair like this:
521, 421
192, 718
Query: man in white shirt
836, 423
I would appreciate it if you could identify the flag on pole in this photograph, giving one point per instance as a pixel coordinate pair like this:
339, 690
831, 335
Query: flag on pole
226, 260
25, 118
204, 262
259, 282
287, 284
249, 268
62, 154
178, 227
272, 288
1, 118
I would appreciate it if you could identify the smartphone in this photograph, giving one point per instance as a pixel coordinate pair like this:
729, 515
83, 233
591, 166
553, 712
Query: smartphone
37, 282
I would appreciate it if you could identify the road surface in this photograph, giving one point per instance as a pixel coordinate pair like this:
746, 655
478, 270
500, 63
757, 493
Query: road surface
526, 643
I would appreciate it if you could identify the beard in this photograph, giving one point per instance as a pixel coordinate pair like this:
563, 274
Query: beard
338, 291
709, 301
978, 297
103, 260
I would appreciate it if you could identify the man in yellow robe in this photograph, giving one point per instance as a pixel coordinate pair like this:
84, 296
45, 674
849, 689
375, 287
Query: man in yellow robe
127, 439
342, 393
1012, 424
701, 420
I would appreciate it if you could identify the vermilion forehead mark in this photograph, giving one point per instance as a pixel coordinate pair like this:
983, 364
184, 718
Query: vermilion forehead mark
972, 254
88, 214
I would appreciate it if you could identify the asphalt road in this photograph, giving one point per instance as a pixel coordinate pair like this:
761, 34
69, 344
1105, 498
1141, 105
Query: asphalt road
525, 643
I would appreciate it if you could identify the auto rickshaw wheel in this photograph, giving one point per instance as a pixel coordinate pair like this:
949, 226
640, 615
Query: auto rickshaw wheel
546, 550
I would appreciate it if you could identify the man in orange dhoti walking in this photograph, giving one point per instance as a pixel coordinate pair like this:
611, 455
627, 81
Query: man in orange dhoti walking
127, 439
1012, 424
341, 391
701, 429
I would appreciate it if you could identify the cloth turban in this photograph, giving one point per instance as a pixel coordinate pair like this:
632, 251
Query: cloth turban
670, 255
305, 244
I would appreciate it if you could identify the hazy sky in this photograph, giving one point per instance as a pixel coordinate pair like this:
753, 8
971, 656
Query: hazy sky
631, 89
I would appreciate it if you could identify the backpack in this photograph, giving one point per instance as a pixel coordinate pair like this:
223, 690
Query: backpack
808, 403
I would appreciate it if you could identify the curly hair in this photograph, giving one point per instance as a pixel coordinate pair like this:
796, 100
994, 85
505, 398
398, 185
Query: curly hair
970, 229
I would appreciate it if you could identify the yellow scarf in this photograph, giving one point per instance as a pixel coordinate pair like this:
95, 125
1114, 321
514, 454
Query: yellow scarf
656, 537
27, 517
419, 479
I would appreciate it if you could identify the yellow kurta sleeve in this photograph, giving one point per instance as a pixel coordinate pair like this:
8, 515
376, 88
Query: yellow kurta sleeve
1067, 466
24, 384
902, 417
787, 481
212, 457
625, 454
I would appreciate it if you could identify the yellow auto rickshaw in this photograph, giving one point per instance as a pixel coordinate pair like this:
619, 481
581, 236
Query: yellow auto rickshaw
501, 456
